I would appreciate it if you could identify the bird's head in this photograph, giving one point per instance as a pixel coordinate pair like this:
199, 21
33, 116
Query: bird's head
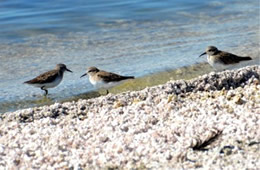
91, 71
210, 50
62, 67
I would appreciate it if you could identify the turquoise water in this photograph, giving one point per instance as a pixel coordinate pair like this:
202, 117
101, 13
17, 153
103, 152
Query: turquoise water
130, 37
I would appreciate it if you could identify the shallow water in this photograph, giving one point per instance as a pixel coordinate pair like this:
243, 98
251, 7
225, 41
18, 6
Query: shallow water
137, 38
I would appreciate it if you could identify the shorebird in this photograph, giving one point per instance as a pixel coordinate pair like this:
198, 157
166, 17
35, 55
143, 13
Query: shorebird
49, 79
100, 78
221, 60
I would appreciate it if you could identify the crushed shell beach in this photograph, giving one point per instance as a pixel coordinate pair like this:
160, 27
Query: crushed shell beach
208, 122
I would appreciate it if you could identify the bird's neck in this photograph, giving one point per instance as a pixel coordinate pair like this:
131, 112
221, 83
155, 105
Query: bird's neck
61, 73
216, 52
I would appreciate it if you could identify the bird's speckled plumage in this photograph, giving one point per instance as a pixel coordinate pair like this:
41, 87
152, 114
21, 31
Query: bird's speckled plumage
50, 78
221, 60
103, 78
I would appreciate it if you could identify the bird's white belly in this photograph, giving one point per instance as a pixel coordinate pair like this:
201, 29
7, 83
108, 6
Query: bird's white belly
49, 85
92, 81
101, 84
217, 65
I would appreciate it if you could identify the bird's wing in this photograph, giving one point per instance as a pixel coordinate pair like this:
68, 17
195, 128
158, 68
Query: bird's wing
110, 77
46, 77
228, 58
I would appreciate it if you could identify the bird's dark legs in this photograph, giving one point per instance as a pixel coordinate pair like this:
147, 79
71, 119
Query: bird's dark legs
107, 92
46, 91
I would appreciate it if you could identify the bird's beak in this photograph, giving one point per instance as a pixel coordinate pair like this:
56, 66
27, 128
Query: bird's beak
83, 75
68, 70
203, 54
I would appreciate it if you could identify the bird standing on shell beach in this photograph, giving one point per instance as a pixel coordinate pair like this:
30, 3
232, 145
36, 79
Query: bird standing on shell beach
49, 79
104, 79
221, 60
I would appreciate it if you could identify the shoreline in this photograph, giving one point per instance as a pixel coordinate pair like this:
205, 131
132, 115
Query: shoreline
211, 121
186, 72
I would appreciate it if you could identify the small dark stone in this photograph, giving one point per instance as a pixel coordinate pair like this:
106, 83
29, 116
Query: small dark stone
104, 139
82, 107
154, 121
169, 157
125, 129
227, 150
30, 153
121, 112
253, 143
16, 162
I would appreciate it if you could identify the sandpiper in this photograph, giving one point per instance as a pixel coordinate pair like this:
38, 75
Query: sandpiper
100, 78
221, 60
49, 79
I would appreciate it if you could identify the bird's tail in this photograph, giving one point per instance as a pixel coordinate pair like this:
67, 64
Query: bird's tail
245, 58
128, 77
27, 82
